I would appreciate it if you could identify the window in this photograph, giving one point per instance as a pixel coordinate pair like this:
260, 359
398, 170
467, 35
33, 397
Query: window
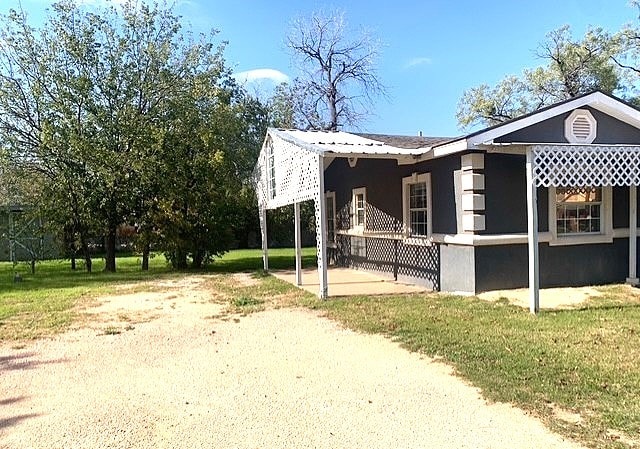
359, 205
580, 215
578, 210
358, 247
330, 199
271, 171
416, 193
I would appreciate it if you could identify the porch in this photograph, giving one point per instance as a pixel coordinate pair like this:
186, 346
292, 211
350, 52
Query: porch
348, 282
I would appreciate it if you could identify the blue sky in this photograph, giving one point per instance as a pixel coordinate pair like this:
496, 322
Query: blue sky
432, 50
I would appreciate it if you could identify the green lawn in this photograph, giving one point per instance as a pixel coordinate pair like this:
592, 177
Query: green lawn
585, 362
578, 370
43, 303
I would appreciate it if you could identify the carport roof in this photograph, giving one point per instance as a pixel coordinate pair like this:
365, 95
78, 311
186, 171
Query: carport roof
342, 143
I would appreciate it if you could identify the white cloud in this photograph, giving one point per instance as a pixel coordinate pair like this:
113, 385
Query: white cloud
258, 75
414, 62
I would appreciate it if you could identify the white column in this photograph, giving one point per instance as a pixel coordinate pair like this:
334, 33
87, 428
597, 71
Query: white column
532, 234
633, 235
321, 228
296, 222
12, 243
263, 235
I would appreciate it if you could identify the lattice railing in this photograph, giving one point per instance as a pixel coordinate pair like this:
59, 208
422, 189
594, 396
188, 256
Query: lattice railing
556, 165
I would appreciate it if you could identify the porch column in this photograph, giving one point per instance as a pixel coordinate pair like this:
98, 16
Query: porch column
296, 222
633, 235
321, 230
532, 236
263, 235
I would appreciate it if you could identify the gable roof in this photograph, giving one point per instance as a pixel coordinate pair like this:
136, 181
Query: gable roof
340, 143
605, 103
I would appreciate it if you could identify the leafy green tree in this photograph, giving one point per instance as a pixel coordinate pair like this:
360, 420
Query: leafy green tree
573, 68
130, 120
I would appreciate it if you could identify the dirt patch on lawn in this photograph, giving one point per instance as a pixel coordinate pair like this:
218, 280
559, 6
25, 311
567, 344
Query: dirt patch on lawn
149, 301
550, 298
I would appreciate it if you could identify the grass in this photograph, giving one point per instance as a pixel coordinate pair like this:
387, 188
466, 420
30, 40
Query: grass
576, 369
581, 364
43, 304
250, 260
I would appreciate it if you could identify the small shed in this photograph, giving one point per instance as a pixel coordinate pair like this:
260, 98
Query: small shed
547, 199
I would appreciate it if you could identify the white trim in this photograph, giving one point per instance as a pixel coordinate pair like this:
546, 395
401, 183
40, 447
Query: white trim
416, 178
473, 182
321, 227
633, 235
472, 161
354, 209
472, 239
532, 236
486, 239
606, 225
297, 242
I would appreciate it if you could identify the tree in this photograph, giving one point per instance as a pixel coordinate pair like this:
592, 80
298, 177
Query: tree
573, 68
129, 120
338, 72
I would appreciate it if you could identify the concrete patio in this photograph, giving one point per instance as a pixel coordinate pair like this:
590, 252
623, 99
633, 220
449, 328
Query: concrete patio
348, 282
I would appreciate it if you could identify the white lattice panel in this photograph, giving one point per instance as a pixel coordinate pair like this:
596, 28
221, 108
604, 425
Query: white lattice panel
296, 174
558, 166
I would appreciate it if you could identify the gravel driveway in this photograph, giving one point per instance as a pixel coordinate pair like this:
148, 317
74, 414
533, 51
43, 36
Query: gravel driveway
179, 377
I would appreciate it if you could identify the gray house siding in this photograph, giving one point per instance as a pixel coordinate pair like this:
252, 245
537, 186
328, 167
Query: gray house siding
610, 131
505, 194
506, 266
383, 181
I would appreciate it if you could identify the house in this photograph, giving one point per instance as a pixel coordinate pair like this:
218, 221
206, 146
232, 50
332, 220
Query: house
547, 199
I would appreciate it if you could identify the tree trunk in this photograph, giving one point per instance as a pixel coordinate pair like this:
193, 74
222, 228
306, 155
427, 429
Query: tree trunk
85, 251
33, 266
145, 256
198, 258
73, 262
110, 249
180, 260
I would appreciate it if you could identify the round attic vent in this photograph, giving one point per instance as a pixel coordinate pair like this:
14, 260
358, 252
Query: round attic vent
580, 127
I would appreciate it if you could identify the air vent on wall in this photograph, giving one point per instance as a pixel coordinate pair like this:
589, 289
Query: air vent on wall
580, 127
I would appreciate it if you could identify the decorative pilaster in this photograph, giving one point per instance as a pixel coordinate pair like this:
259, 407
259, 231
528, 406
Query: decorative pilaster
473, 201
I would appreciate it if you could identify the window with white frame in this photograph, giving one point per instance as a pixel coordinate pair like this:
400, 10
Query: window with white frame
416, 204
580, 214
330, 198
578, 210
271, 171
359, 206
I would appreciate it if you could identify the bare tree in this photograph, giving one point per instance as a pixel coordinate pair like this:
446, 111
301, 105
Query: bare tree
338, 78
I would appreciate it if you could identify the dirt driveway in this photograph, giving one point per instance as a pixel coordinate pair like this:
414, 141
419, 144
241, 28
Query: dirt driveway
165, 369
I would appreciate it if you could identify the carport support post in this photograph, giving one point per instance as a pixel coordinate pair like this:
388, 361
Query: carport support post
321, 230
296, 222
532, 236
263, 235
633, 235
